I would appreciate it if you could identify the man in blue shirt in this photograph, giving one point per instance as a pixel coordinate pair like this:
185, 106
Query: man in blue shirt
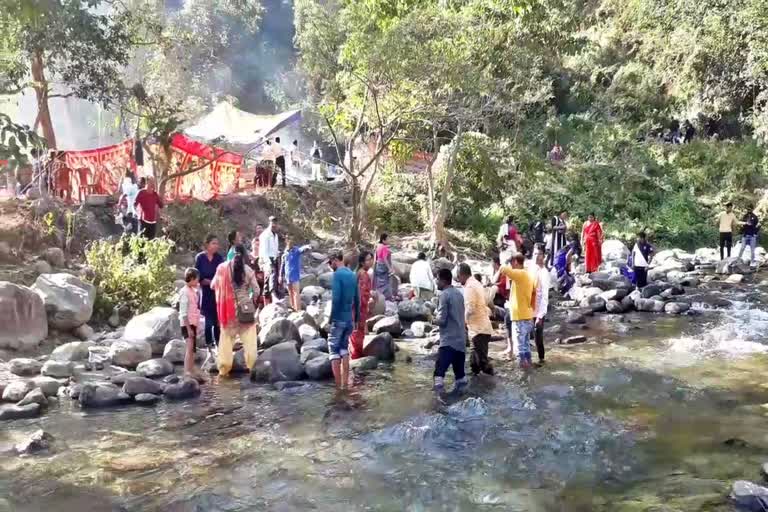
345, 312
290, 271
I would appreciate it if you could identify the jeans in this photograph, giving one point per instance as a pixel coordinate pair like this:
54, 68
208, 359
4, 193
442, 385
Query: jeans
521, 330
478, 361
750, 240
726, 240
338, 341
449, 357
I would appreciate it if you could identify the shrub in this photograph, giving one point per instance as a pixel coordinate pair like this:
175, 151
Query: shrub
187, 224
131, 272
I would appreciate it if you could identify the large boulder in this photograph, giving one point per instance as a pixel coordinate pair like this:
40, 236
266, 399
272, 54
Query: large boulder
278, 363
364, 363
318, 368
307, 355
615, 250
185, 388
24, 366
651, 291
318, 344
271, 312
277, 331
57, 369
441, 263
129, 353
36, 396
155, 368
576, 317
157, 327
16, 390
676, 308
616, 294
614, 307
175, 351
15, 412
326, 279
381, 346
22, 315
732, 266
420, 329
307, 333
73, 351
594, 303
579, 293
389, 324
101, 394
649, 305
48, 385
312, 294
300, 318
68, 299
137, 385
412, 310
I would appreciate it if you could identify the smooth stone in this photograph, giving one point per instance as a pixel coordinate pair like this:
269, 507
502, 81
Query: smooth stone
735, 279
279, 331
157, 327
576, 317
186, 388
389, 325
278, 363
420, 329
146, 398
84, 332
364, 363
15, 412
141, 385
24, 366
155, 368
573, 340
36, 396
308, 355
25, 323
175, 351
48, 385
129, 353
676, 308
319, 368
38, 441
120, 378
381, 346
100, 394
73, 351
68, 299
57, 369
16, 390
318, 344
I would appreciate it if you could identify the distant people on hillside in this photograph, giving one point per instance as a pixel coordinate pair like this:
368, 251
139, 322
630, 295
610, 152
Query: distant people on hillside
295, 155
592, 238
559, 227
750, 228
149, 203
509, 239
127, 202
279, 153
382, 268
688, 132
317, 164
726, 223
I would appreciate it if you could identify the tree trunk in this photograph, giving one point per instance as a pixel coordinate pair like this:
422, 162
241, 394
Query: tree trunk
41, 92
356, 230
162, 169
438, 220
368, 183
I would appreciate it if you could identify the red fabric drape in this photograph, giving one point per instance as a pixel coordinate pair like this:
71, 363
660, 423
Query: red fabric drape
220, 176
102, 169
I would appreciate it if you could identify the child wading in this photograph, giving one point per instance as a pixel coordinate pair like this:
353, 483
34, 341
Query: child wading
189, 317
453, 335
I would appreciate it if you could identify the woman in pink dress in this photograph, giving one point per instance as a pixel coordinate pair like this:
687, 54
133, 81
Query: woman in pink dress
364, 284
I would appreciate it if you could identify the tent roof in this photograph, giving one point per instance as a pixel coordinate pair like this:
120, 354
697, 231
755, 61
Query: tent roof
226, 124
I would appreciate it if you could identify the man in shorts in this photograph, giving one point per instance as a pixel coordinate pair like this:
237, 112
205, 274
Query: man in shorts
345, 313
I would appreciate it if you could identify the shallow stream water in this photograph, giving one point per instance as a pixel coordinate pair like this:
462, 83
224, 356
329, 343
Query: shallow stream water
648, 416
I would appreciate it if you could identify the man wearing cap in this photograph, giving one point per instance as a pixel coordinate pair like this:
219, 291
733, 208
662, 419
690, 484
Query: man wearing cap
727, 221
268, 257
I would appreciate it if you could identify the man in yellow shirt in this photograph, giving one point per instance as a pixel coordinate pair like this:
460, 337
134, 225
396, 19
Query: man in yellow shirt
521, 306
478, 320
727, 221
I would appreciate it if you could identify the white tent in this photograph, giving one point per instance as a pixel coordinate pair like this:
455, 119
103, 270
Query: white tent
227, 125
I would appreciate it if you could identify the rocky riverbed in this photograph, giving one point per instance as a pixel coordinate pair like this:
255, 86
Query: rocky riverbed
646, 408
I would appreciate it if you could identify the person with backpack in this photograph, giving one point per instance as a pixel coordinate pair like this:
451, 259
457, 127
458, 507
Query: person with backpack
235, 286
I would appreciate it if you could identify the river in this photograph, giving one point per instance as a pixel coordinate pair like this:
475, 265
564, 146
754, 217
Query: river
649, 416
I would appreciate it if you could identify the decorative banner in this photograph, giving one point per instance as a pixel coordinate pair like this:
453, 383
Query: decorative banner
98, 171
219, 171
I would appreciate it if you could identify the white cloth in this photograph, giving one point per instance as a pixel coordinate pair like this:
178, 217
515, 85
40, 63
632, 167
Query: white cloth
541, 277
317, 171
638, 260
503, 232
268, 245
130, 190
421, 275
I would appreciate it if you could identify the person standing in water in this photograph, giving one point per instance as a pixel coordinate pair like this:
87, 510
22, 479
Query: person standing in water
478, 320
345, 313
453, 335
521, 307
206, 263
541, 277
365, 262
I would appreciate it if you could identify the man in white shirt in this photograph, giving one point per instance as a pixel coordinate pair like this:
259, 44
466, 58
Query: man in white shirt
268, 257
422, 278
541, 277
279, 158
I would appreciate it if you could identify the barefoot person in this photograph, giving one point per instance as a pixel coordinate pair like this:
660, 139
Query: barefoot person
453, 335
540, 275
521, 304
189, 317
290, 271
478, 321
206, 264
235, 285
726, 222
382, 268
345, 312
364, 285
592, 240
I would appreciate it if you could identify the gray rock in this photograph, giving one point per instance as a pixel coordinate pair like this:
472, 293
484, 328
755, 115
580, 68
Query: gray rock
175, 351
36, 396
278, 363
129, 353
141, 385
15, 412
68, 299
307, 333
278, 331
16, 390
576, 317
24, 366
651, 290
319, 368
594, 303
114, 319
412, 310
72, 391
55, 257
749, 496
364, 363
380, 346
614, 250
616, 294
48, 385
372, 321
441, 263
272, 312
39, 441
157, 327
98, 355
735, 279
420, 329
300, 318
312, 294
57, 369
326, 280
676, 308
42, 267
390, 324
614, 307
155, 368
120, 378
186, 388
308, 355
573, 340
318, 344
22, 315
146, 398
84, 332
100, 394
649, 305
71, 352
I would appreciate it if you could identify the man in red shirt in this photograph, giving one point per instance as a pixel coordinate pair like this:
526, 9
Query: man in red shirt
148, 202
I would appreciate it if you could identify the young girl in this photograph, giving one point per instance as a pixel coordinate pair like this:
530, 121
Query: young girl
189, 316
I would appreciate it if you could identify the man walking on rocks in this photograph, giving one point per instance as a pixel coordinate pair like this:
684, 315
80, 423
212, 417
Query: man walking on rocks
345, 312
521, 304
478, 320
453, 335
726, 221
